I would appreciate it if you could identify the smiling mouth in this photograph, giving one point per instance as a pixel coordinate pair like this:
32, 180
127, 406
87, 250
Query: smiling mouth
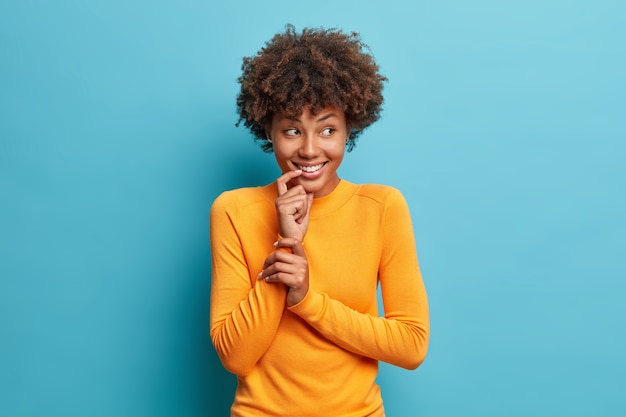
310, 168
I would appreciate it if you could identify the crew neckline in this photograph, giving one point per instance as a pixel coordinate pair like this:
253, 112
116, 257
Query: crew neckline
323, 206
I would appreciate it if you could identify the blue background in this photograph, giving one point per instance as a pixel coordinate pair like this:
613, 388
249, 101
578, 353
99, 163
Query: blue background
504, 127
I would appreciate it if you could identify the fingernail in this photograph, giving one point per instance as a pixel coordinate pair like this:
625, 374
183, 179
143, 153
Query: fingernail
260, 275
275, 244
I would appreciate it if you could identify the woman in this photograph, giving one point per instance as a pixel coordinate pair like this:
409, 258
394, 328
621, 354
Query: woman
296, 264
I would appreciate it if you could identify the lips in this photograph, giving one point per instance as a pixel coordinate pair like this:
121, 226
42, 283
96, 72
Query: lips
309, 169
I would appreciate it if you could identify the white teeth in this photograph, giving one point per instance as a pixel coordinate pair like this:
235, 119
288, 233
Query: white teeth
310, 169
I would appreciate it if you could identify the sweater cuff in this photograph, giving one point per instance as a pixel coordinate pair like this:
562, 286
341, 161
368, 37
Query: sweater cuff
311, 307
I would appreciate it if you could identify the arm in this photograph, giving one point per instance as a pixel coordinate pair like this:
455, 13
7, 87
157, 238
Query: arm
401, 336
244, 317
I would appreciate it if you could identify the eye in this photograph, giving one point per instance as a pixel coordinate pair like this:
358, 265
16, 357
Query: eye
328, 131
291, 132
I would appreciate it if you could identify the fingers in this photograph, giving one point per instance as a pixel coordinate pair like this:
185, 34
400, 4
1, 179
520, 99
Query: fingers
293, 203
293, 207
289, 274
288, 268
294, 244
281, 273
281, 182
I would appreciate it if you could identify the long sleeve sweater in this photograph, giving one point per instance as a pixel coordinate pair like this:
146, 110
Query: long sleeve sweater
320, 356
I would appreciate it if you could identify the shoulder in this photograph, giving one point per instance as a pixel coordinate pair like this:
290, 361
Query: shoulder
388, 201
242, 197
383, 194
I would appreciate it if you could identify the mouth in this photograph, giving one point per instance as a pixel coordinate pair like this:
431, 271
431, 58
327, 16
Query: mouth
309, 169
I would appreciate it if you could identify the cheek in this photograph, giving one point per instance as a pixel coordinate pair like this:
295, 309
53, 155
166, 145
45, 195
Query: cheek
337, 152
281, 157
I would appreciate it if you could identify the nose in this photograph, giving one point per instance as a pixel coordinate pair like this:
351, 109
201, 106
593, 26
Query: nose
309, 147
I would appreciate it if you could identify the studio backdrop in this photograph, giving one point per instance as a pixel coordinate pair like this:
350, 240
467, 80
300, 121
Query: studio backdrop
503, 126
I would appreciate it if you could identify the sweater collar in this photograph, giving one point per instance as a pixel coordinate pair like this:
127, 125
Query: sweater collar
324, 206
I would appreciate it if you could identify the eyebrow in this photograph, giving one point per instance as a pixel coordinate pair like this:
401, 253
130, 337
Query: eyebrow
321, 119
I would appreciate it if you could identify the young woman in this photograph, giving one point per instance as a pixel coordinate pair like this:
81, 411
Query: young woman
296, 263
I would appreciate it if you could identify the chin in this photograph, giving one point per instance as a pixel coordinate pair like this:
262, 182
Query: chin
309, 188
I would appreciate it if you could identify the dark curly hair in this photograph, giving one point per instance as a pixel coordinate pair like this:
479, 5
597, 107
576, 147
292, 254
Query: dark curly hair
316, 69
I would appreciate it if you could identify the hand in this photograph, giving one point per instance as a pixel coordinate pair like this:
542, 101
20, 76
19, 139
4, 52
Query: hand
290, 268
292, 207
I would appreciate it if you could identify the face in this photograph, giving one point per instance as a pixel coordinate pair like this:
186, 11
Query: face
313, 143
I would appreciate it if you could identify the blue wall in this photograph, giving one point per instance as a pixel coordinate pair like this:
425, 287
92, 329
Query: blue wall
503, 126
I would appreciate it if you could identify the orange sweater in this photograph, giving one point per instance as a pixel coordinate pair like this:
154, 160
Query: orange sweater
320, 356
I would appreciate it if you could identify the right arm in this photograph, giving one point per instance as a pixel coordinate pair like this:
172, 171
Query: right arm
243, 317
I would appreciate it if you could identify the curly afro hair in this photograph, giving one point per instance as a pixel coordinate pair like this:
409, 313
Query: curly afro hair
316, 68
